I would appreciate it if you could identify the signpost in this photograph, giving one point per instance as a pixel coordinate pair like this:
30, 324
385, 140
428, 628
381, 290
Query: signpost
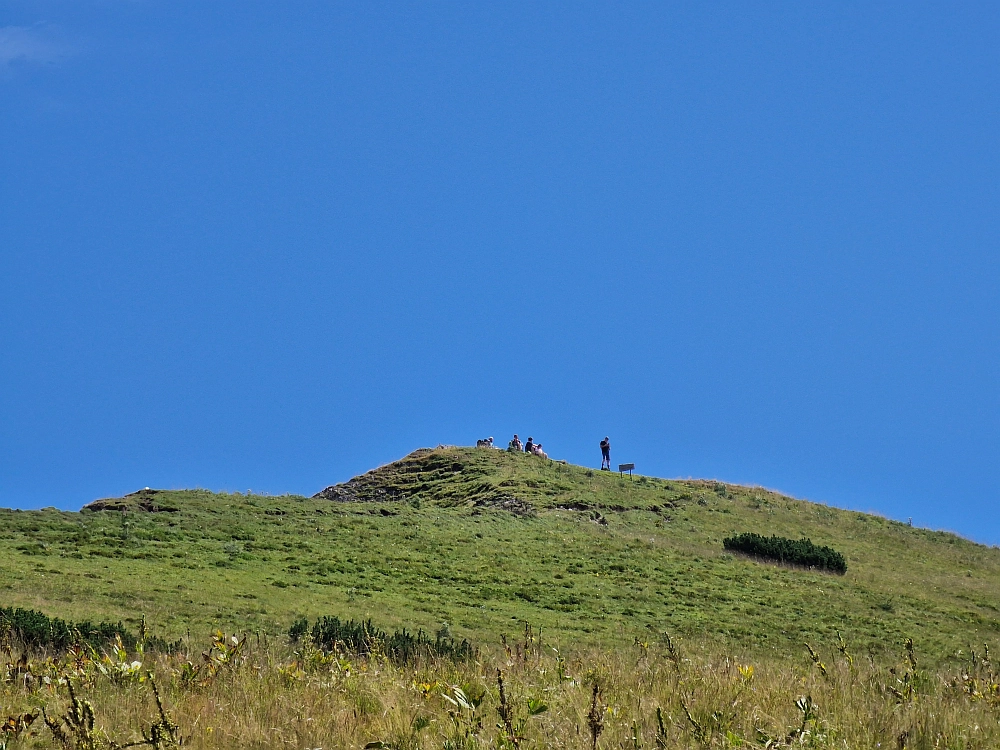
622, 468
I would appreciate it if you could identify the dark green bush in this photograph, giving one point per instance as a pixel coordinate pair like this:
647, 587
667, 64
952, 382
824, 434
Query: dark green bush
299, 628
791, 551
332, 633
39, 631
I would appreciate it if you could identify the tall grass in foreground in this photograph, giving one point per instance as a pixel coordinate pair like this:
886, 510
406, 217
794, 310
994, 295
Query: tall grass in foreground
248, 693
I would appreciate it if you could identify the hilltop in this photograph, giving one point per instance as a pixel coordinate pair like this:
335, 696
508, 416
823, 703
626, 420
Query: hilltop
481, 539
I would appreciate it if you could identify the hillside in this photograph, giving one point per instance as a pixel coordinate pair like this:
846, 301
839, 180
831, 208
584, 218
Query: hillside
482, 539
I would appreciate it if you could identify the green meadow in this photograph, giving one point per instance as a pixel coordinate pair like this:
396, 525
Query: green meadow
483, 541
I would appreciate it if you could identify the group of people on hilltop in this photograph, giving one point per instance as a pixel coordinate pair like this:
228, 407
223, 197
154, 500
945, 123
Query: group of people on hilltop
535, 449
514, 446
531, 447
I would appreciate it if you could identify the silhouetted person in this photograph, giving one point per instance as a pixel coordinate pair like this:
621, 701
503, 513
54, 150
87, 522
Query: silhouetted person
606, 453
529, 444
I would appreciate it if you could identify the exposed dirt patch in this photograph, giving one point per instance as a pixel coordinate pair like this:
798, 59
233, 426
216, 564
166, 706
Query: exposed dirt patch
506, 502
357, 492
573, 506
596, 517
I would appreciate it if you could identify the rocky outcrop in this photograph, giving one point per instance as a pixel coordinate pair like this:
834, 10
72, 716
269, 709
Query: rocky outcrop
441, 475
141, 501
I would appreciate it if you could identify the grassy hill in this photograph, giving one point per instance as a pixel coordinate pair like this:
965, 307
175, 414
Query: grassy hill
482, 539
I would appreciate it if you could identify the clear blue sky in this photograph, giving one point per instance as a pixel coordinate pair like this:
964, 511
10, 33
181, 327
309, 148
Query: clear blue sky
272, 245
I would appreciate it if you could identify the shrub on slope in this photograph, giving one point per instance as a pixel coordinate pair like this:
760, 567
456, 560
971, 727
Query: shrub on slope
794, 552
38, 631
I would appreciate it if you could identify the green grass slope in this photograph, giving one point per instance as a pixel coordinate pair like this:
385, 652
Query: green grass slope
482, 539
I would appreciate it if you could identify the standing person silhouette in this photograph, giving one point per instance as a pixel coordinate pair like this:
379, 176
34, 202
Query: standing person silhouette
606, 453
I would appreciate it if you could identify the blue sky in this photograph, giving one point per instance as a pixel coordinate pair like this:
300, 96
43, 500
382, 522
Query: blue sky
272, 245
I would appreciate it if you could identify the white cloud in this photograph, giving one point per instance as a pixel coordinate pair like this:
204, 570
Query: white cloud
23, 44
